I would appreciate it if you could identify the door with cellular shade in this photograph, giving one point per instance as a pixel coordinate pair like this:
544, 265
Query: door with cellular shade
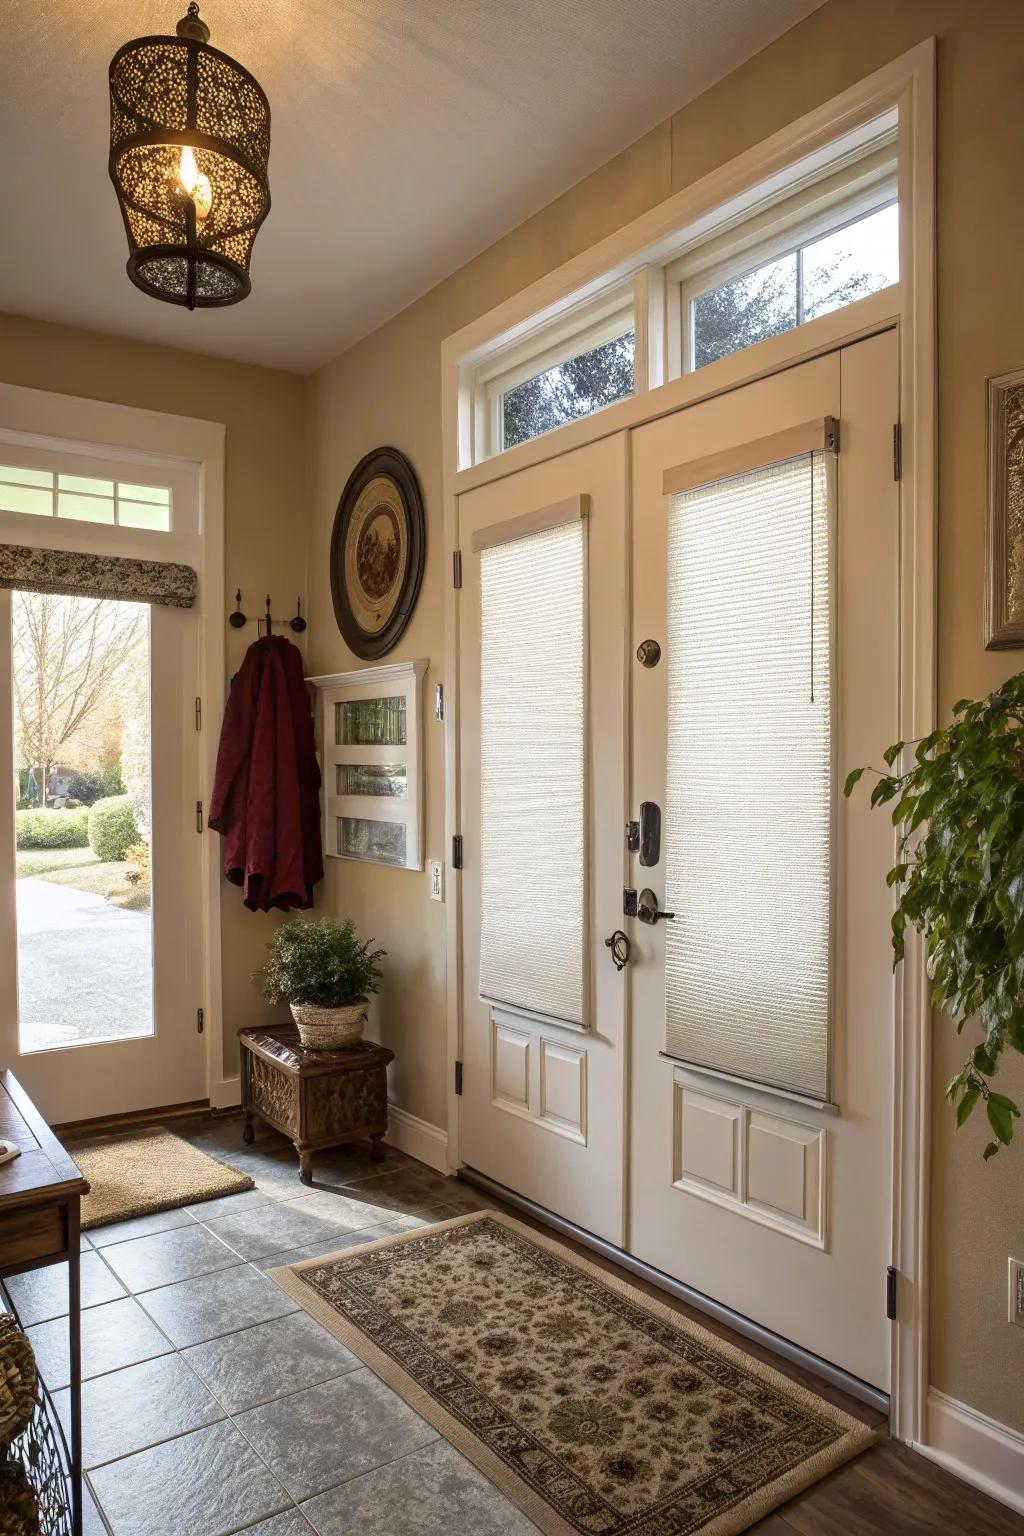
542, 714
766, 564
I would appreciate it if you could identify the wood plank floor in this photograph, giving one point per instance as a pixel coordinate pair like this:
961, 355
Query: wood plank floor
887, 1491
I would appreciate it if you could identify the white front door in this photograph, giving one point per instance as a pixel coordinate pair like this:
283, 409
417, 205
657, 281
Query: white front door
100, 944
763, 1008
543, 629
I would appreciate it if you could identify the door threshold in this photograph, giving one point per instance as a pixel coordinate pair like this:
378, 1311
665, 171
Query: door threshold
853, 1386
132, 1118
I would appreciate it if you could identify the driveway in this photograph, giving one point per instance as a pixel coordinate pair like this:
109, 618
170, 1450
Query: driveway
85, 967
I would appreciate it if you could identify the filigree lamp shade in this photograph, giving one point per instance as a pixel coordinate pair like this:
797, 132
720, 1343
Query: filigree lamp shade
189, 144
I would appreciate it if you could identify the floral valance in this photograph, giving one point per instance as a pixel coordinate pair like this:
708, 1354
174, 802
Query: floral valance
114, 576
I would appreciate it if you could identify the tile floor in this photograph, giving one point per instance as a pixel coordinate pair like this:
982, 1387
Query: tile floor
211, 1403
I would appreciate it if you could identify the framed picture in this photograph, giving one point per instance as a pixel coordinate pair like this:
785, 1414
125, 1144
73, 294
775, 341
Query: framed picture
1004, 608
377, 552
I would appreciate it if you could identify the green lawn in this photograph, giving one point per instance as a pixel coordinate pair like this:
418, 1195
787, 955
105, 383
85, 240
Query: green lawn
80, 868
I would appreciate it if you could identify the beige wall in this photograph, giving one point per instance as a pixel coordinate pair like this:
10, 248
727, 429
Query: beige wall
265, 512
386, 389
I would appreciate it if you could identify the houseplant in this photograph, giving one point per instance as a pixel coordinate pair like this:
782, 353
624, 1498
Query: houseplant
326, 975
959, 808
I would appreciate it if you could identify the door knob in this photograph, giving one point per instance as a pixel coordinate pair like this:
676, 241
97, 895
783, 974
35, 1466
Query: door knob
647, 909
620, 946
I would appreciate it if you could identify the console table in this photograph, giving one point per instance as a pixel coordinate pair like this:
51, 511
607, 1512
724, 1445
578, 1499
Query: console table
319, 1099
40, 1194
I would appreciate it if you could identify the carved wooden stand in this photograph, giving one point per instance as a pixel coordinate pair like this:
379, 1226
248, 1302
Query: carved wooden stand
317, 1098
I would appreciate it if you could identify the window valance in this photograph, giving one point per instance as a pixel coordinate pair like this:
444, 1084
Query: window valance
112, 576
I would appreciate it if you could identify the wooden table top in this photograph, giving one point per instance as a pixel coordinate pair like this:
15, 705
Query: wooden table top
280, 1043
44, 1171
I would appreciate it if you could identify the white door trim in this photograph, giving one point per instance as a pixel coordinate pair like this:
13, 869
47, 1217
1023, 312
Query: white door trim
908, 82
72, 420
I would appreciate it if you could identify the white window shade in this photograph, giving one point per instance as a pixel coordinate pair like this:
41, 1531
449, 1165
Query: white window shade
533, 772
748, 823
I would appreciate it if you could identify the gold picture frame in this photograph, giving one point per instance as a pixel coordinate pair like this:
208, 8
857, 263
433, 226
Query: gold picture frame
1004, 607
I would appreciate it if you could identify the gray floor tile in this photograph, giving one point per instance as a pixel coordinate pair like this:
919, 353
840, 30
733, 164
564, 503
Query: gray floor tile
139, 1226
229, 1205
114, 1335
280, 1225
167, 1257
291, 1523
258, 1364
140, 1406
431, 1493
318, 1438
342, 1210
205, 1484
336, 1243
43, 1293
205, 1308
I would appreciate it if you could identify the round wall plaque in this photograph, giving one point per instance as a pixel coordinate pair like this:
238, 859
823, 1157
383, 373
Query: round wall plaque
377, 552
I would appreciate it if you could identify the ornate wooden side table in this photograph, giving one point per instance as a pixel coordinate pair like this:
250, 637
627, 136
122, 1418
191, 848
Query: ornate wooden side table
317, 1098
40, 1194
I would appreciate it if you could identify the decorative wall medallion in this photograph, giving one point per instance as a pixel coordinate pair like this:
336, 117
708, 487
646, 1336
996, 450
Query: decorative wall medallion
1004, 617
377, 553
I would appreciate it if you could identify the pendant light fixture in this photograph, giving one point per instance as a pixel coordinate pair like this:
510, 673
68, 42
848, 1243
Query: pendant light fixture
189, 144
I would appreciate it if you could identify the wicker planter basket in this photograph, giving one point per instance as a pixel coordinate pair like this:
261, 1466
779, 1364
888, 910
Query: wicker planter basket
17, 1380
19, 1507
324, 1029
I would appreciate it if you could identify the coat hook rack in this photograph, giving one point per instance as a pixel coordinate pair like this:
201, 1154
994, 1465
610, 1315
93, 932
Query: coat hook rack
238, 619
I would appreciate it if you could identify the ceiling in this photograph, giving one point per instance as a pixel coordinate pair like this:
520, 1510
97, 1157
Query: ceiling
407, 135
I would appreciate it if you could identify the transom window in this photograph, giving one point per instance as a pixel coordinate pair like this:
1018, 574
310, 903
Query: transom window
818, 235
84, 498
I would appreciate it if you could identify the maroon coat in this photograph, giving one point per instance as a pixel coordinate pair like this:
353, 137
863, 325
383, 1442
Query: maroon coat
266, 792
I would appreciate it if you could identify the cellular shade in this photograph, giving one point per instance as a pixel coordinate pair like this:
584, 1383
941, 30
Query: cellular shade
748, 823
532, 771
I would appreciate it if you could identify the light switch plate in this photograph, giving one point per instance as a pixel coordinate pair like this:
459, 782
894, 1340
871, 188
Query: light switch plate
1016, 1289
436, 868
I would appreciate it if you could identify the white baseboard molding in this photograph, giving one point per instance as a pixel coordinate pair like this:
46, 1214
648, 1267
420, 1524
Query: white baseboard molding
983, 1452
227, 1094
418, 1138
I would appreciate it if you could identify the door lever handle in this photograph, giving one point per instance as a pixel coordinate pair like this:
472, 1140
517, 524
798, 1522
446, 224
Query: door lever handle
647, 909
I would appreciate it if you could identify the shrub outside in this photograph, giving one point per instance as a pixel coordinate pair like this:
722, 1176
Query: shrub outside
51, 829
112, 828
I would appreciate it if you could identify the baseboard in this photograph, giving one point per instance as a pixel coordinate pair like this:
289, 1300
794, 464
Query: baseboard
227, 1094
418, 1138
983, 1452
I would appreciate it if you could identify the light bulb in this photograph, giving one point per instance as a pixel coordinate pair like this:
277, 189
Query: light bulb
196, 185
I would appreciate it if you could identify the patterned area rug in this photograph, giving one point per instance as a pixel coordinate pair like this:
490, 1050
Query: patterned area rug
144, 1171
601, 1412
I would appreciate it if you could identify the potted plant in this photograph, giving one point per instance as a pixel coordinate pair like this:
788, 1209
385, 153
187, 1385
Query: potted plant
959, 808
326, 975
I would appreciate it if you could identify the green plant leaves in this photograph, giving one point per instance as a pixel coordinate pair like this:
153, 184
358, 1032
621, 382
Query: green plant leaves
959, 878
321, 962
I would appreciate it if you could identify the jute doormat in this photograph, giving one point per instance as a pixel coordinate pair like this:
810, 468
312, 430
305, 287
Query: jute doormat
600, 1411
140, 1172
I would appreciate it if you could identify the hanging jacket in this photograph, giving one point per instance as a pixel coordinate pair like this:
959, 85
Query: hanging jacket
266, 791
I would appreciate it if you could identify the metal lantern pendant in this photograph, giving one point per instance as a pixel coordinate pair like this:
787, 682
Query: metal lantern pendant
189, 144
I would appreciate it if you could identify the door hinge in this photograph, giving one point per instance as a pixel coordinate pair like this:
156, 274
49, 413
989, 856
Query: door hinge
199, 815
897, 450
831, 434
458, 1078
457, 851
629, 901
199, 713
200, 1021
439, 702
457, 567
891, 1278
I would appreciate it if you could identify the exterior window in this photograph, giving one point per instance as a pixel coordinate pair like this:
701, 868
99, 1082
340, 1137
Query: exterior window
84, 499
842, 265
569, 390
